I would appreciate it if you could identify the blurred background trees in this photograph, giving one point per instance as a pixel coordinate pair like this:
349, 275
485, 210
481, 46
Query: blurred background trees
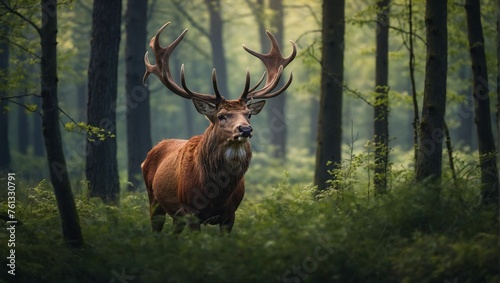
286, 134
375, 85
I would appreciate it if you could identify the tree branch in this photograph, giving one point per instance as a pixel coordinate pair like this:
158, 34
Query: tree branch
344, 86
10, 9
12, 100
25, 49
190, 19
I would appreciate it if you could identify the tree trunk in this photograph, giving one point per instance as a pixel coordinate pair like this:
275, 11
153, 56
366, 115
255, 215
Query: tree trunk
381, 108
23, 136
328, 153
276, 106
51, 132
260, 12
37, 134
498, 81
138, 112
430, 144
5, 158
465, 115
101, 166
485, 140
313, 123
219, 61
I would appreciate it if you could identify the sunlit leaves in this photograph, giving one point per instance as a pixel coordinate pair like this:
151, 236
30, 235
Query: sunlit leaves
94, 133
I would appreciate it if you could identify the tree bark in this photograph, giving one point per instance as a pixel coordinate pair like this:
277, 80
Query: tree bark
498, 82
329, 142
138, 111
101, 166
5, 158
486, 142
381, 108
23, 136
276, 106
219, 61
38, 145
430, 145
51, 132
465, 131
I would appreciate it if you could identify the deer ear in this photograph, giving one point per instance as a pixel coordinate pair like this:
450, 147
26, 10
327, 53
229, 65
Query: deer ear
256, 107
203, 107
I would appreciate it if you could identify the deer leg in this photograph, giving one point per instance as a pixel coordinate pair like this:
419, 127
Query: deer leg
157, 216
179, 224
227, 225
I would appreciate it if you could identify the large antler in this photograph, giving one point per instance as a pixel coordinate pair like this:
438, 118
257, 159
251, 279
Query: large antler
274, 63
162, 69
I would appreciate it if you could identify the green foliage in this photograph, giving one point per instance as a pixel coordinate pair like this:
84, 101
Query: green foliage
264, 170
282, 233
283, 236
93, 132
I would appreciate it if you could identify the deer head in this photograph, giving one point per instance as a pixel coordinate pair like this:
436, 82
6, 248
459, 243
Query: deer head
229, 118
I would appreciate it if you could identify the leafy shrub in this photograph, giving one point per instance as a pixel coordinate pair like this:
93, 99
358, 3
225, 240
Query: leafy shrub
284, 234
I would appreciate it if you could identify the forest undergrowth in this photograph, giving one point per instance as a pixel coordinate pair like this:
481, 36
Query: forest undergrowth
285, 235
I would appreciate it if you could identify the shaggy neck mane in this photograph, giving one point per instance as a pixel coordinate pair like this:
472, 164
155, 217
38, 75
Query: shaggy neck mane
223, 163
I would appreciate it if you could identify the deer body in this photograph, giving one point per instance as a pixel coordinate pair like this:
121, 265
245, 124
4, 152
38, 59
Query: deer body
204, 176
212, 200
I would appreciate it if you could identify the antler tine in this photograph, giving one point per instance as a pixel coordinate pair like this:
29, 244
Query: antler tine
215, 86
162, 70
274, 63
278, 92
243, 96
258, 83
247, 88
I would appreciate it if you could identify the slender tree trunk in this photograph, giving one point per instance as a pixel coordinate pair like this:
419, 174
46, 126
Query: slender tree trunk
498, 82
260, 12
328, 153
101, 166
381, 108
51, 132
313, 124
187, 104
411, 64
217, 44
23, 137
465, 115
430, 146
37, 134
486, 142
5, 158
276, 106
138, 112
22, 127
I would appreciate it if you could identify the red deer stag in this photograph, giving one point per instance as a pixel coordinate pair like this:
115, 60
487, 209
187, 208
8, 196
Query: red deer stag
203, 176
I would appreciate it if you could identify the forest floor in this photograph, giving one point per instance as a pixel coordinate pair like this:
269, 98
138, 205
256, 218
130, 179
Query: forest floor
284, 236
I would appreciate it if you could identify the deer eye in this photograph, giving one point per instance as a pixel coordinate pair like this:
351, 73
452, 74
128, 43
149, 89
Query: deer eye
221, 117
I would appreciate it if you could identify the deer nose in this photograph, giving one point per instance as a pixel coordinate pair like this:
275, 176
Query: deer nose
245, 131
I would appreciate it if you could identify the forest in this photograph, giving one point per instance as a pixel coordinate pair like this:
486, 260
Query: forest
378, 163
